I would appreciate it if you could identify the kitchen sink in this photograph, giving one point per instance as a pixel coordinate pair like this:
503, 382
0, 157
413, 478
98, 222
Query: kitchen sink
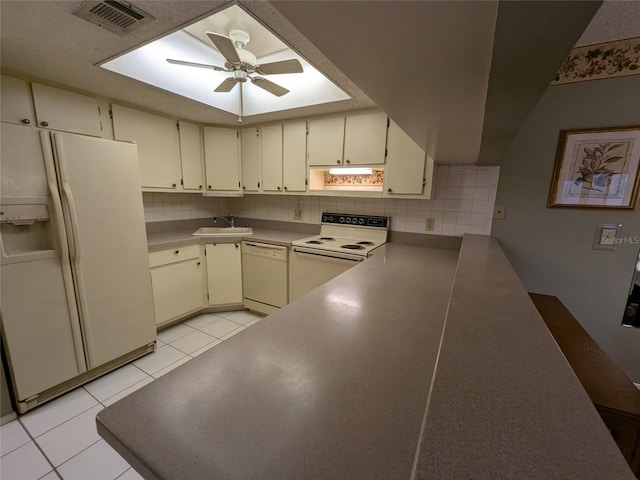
223, 231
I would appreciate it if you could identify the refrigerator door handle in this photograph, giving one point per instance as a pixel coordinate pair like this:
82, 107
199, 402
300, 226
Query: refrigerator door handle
61, 232
55, 196
74, 244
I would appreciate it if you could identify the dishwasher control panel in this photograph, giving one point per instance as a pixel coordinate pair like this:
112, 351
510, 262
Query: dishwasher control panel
266, 250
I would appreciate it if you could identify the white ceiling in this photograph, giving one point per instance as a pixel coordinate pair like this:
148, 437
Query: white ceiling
615, 20
459, 77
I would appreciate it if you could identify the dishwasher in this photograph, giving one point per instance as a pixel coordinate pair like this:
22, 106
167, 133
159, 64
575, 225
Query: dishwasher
264, 276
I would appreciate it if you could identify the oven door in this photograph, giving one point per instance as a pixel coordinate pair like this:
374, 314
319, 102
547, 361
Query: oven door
311, 268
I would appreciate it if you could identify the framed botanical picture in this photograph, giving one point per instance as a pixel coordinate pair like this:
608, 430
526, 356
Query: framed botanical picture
597, 168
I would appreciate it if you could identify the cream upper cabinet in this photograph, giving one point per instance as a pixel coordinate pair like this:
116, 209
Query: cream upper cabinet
358, 139
294, 150
158, 145
249, 138
16, 104
271, 154
283, 152
408, 171
66, 111
325, 141
221, 160
224, 273
365, 138
191, 157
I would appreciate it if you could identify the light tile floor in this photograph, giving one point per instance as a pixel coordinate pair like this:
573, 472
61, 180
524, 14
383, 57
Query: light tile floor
58, 440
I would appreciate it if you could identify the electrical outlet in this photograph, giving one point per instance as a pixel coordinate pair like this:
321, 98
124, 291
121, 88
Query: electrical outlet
498, 211
430, 224
297, 214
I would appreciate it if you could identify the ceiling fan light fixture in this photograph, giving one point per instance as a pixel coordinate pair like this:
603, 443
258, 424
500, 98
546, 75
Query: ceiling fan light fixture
240, 76
247, 59
240, 38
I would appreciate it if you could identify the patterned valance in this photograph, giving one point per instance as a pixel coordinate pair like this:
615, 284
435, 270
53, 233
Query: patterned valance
604, 60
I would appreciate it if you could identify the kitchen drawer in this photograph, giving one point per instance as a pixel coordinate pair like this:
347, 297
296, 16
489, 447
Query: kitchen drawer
173, 255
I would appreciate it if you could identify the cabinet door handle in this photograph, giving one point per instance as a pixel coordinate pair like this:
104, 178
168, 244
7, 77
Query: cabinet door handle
177, 252
236, 245
198, 264
389, 190
285, 187
244, 188
339, 162
199, 187
173, 185
44, 124
278, 188
209, 187
26, 121
348, 161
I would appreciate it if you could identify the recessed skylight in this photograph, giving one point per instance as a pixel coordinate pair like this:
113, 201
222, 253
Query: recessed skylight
149, 64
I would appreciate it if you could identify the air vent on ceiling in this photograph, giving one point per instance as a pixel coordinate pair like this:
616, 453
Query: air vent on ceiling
117, 17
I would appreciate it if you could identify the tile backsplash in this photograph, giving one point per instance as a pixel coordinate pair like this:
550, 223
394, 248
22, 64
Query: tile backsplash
163, 207
462, 201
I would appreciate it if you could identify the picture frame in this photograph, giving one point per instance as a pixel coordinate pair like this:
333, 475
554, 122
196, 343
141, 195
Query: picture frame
597, 168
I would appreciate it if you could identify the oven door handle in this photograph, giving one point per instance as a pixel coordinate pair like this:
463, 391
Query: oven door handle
323, 253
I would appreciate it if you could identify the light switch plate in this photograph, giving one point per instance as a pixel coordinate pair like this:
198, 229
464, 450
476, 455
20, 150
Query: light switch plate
605, 236
498, 211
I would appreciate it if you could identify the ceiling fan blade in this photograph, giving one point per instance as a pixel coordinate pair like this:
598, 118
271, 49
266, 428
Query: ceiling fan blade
269, 86
284, 66
193, 64
225, 46
226, 85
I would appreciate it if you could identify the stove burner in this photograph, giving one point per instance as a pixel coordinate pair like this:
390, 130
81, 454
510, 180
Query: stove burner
352, 247
314, 242
365, 243
327, 238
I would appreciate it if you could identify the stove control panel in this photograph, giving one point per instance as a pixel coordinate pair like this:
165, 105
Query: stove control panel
357, 220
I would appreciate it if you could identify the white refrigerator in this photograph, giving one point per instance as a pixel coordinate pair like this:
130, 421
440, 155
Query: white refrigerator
75, 285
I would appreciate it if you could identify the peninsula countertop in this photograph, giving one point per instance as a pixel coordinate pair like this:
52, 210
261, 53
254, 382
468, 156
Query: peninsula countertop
418, 363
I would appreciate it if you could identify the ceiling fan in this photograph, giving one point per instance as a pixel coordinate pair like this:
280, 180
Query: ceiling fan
243, 64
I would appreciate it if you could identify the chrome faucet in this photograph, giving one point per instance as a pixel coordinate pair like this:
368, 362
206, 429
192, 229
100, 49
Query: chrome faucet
231, 221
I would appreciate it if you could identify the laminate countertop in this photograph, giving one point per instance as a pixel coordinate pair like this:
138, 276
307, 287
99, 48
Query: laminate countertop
419, 363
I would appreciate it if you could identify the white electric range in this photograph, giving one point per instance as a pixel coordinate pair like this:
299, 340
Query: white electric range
344, 240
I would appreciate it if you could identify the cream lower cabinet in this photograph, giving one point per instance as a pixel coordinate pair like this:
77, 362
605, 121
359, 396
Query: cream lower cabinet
177, 276
224, 273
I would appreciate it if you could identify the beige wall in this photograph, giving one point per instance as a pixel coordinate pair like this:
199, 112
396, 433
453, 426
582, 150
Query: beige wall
551, 249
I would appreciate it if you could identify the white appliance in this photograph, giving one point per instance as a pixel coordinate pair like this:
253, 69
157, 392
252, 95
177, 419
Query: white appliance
264, 276
76, 292
344, 240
